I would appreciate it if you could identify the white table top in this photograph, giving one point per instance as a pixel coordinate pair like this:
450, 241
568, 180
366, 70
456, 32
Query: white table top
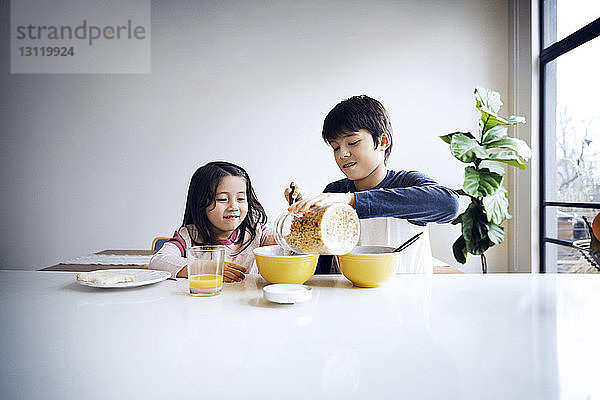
417, 337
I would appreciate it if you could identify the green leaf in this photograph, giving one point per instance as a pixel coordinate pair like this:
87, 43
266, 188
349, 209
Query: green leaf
460, 250
489, 103
478, 247
488, 100
491, 120
496, 206
466, 149
507, 157
448, 138
515, 119
516, 145
492, 166
457, 220
495, 233
481, 183
494, 133
474, 229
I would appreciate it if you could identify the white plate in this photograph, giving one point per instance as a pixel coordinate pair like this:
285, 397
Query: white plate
142, 277
286, 293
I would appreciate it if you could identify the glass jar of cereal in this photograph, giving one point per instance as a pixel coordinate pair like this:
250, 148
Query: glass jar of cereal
332, 229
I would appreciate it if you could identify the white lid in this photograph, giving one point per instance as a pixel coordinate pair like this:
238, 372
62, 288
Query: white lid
286, 293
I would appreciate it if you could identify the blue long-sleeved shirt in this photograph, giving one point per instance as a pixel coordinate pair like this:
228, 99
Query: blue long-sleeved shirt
409, 195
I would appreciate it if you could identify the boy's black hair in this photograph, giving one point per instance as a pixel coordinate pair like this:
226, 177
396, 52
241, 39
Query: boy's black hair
202, 195
358, 112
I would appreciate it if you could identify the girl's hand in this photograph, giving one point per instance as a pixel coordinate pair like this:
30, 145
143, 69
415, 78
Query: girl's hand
233, 272
324, 199
297, 195
182, 273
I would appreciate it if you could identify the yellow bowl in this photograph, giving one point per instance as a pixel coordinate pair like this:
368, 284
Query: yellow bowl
277, 267
369, 266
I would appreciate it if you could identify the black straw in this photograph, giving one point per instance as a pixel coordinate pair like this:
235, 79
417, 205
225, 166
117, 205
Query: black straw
408, 242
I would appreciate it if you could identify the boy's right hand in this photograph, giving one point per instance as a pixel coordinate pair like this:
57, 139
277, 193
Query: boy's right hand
296, 196
322, 200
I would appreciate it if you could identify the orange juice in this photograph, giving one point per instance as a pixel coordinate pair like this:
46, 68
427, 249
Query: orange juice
205, 269
206, 281
206, 284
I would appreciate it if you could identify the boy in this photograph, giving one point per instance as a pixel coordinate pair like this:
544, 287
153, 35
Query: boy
392, 205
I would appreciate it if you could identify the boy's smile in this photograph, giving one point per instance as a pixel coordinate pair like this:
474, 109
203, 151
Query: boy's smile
358, 158
349, 165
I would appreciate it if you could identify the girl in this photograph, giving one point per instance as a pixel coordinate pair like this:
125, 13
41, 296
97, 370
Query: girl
221, 208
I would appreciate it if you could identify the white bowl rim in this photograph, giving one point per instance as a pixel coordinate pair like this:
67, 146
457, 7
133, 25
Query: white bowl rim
371, 250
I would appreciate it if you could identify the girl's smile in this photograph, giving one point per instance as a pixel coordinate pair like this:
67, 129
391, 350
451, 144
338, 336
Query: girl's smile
230, 206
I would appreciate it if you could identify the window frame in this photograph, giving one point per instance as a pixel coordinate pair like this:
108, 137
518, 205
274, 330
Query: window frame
547, 55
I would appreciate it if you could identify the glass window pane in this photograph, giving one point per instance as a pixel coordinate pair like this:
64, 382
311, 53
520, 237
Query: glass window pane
572, 125
564, 259
567, 223
563, 17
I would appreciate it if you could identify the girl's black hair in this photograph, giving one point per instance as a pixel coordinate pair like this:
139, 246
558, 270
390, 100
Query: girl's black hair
358, 112
202, 194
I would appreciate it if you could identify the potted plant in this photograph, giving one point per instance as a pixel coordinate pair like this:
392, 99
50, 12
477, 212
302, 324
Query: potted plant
481, 222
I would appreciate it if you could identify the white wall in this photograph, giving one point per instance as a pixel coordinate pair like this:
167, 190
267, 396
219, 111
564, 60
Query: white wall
90, 162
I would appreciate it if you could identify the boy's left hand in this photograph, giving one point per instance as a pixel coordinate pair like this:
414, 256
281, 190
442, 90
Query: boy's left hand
324, 199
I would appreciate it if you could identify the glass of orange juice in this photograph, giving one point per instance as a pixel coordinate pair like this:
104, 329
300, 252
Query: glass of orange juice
205, 269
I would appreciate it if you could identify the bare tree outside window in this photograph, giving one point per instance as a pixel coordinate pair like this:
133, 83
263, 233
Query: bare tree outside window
577, 157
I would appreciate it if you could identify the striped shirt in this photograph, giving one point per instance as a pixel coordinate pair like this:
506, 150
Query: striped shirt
172, 256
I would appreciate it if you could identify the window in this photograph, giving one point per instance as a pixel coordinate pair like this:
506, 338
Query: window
569, 129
